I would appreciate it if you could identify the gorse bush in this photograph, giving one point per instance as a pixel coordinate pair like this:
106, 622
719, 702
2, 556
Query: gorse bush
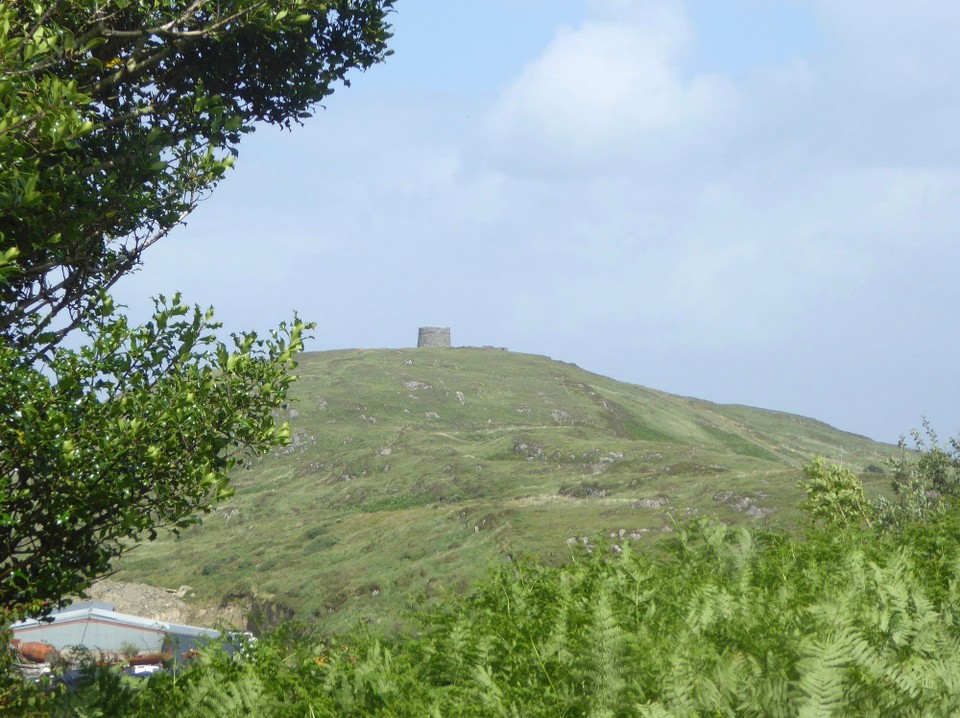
840, 620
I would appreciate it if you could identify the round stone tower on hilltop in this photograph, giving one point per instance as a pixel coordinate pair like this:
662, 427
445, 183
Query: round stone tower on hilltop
434, 337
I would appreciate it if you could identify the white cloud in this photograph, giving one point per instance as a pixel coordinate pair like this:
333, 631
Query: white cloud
610, 95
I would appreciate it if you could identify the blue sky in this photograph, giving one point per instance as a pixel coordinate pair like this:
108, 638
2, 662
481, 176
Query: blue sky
746, 201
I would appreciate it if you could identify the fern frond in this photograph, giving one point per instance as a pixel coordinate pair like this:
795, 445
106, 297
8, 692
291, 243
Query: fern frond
608, 650
822, 674
654, 710
489, 692
211, 695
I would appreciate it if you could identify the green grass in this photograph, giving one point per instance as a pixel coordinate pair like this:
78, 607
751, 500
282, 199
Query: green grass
414, 471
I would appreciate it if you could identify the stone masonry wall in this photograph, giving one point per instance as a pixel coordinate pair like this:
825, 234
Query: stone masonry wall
434, 337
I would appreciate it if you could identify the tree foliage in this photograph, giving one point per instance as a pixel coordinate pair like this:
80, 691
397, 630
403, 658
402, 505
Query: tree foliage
936, 466
116, 118
925, 482
135, 431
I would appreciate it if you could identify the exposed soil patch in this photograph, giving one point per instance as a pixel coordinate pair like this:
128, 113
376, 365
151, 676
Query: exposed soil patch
165, 604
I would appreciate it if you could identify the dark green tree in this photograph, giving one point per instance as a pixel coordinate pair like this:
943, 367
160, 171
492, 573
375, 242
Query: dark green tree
116, 118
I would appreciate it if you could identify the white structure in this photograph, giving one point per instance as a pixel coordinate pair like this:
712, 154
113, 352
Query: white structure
97, 627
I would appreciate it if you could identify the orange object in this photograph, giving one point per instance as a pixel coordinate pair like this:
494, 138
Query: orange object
37, 652
146, 659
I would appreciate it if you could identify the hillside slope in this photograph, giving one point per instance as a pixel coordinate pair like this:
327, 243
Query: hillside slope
413, 470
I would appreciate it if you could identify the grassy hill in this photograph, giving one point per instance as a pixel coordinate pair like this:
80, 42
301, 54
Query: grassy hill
412, 471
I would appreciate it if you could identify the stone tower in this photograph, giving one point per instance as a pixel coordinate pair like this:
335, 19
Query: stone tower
434, 337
